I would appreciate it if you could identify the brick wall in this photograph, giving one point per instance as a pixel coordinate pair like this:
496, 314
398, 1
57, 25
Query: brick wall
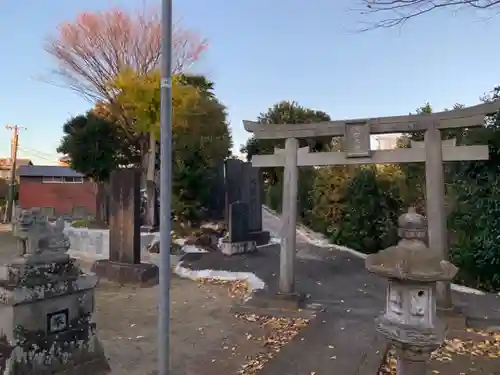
61, 196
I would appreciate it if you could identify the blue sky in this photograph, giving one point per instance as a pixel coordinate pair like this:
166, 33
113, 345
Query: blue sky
262, 52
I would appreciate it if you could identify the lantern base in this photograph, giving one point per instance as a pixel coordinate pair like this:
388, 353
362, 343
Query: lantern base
407, 336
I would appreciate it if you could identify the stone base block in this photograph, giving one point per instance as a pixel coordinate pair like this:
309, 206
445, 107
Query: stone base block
144, 274
98, 366
231, 248
73, 352
261, 237
279, 301
149, 229
453, 318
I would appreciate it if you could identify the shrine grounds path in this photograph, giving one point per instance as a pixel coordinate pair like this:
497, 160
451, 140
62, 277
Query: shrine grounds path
205, 338
341, 340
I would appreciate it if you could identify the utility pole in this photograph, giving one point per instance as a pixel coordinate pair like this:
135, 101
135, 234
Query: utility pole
13, 164
165, 187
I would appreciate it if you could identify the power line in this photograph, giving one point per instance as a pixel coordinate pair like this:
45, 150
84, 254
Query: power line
38, 156
32, 150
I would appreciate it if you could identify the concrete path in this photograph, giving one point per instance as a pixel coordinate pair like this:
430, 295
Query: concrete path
341, 339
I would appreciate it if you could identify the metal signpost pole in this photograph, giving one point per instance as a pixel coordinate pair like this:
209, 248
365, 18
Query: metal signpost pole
165, 188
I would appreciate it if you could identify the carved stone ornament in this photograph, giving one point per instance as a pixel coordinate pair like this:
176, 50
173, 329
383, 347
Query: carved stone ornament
411, 259
36, 235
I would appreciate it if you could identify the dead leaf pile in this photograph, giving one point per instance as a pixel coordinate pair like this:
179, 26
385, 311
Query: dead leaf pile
280, 331
489, 348
238, 289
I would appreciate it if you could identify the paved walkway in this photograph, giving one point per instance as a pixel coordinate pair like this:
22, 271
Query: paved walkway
341, 339
343, 336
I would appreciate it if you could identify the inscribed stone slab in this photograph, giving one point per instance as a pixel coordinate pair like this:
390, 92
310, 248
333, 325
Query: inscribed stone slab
238, 222
357, 136
124, 220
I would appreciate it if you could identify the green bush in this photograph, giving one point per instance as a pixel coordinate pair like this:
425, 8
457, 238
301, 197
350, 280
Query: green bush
370, 206
273, 196
475, 222
84, 223
325, 198
475, 218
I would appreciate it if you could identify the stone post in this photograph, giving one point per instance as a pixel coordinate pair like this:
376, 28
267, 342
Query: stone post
410, 322
435, 191
289, 218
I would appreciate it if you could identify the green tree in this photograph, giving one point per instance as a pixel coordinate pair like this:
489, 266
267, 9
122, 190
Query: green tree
286, 112
325, 197
96, 147
475, 218
201, 137
204, 85
413, 187
369, 208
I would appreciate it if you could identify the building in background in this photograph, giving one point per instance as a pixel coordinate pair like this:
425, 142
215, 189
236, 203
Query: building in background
64, 161
57, 191
6, 167
386, 141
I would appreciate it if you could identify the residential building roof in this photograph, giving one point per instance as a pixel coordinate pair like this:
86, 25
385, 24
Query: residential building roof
47, 171
5, 163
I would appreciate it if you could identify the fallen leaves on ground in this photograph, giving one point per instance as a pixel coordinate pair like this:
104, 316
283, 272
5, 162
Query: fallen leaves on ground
280, 331
238, 289
489, 348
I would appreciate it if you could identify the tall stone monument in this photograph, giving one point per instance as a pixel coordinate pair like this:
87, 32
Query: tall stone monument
244, 184
238, 239
124, 264
46, 306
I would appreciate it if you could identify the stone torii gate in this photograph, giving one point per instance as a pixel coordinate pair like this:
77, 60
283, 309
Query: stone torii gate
357, 136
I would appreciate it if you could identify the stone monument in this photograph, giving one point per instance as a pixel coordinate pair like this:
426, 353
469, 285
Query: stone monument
238, 240
410, 322
244, 184
47, 305
124, 264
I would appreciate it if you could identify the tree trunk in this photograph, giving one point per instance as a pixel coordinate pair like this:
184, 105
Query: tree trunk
148, 163
102, 202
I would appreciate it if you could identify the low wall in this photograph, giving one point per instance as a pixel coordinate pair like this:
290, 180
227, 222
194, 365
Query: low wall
93, 244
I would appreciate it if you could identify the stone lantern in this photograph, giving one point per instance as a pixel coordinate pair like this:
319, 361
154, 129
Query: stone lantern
410, 321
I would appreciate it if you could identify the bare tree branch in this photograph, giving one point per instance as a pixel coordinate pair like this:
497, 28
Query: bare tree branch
397, 12
91, 50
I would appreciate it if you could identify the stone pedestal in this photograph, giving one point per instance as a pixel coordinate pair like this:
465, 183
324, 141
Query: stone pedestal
411, 363
261, 237
232, 248
47, 305
238, 240
144, 274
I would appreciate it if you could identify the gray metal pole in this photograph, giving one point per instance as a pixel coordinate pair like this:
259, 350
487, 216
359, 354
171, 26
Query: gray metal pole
165, 188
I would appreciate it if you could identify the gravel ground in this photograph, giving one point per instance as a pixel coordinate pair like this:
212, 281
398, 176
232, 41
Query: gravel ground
205, 337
